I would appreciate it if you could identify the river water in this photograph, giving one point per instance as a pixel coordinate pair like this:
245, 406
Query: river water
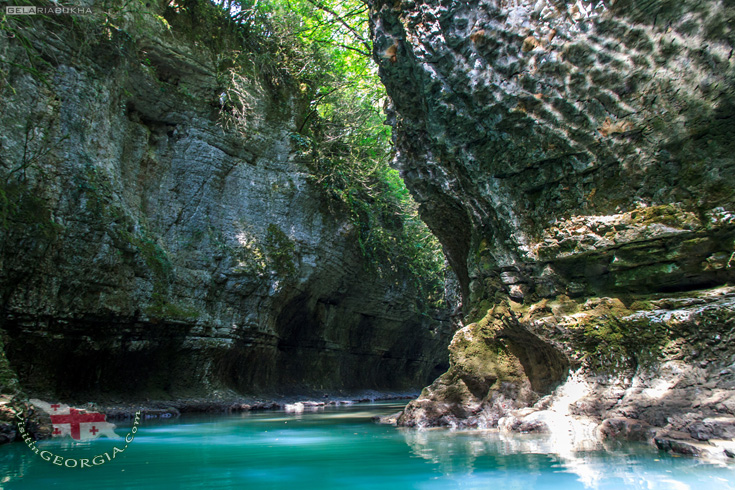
343, 448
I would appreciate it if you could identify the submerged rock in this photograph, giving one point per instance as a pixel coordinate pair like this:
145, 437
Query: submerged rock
391, 419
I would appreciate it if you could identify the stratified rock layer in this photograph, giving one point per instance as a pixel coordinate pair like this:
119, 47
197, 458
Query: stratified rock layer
161, 236
576, 161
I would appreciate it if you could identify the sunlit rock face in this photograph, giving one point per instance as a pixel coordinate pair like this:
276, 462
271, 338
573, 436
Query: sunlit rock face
576, 160
163, 239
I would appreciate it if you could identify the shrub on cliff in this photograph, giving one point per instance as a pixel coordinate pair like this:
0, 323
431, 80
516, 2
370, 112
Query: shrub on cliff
324, 48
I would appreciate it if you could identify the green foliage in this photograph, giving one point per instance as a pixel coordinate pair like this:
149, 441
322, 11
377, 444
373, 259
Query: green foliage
347, 146
323, 48
12, 27
251, 37
349, 156
107, 33
279, 250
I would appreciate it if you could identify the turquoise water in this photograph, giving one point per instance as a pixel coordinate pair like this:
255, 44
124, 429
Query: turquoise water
343, 448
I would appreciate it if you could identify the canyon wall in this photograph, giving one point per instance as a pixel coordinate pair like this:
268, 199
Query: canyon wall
162, 234
576, 161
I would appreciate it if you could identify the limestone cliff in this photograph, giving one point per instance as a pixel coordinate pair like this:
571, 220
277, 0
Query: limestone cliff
162, 236
576, 161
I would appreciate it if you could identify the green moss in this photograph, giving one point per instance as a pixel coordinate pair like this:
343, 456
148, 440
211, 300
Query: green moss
96, 190
667, 214
609, 344
606, 335
25, 210
162, 308
194, 239
157, 261
486, 264
481, 354
155, 257
486, 358
280, 250
479, 311
100, 201
641, 305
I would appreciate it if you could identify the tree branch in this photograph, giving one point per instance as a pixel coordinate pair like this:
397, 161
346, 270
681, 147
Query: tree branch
341, 20
364, 53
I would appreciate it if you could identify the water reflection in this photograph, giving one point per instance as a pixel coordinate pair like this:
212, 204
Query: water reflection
526, 460
343, 448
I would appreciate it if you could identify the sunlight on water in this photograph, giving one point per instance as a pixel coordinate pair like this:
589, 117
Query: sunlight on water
342, 448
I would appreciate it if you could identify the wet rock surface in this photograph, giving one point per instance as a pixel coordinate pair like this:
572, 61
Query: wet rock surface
155, 247
16, 412
574, 159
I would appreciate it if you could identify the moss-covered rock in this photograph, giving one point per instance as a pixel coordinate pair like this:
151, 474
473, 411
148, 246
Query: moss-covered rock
575, 164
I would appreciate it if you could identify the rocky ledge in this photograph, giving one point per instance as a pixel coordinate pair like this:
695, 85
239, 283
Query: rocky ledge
575, 159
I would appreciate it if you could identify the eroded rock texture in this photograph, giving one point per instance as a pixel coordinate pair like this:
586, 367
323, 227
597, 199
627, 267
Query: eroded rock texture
576, 160
162, 237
